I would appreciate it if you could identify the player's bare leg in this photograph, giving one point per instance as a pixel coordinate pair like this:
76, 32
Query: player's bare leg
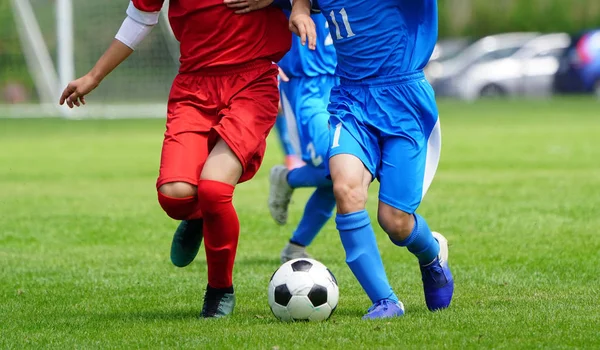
179, 200
219, 176
350, 186
431, 248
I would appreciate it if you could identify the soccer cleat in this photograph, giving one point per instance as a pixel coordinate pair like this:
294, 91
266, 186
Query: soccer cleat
438, 283
217, 304
186, 242
293, 251
385, 308
280, 194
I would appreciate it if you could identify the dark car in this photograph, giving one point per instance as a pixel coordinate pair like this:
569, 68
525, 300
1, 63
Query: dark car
579, 69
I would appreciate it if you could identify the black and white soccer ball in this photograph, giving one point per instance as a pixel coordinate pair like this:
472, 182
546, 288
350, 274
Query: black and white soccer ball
303, 289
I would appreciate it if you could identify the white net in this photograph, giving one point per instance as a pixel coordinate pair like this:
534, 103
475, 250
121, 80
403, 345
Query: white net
137, 88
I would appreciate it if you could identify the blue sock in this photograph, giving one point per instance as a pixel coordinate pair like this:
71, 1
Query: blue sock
308, 176
421, 242
362, 255
317, 211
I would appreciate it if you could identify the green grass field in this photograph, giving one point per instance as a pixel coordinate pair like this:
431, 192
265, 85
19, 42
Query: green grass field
84, 245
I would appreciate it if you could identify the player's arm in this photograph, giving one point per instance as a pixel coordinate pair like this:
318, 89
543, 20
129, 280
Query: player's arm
302, 24
136, 26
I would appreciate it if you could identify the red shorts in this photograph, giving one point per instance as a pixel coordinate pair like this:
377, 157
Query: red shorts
237, 104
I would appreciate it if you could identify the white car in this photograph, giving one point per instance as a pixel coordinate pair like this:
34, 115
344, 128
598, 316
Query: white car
449, 77
528, 72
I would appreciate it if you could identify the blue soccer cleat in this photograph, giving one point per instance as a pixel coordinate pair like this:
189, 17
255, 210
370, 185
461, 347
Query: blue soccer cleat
385, 308
438, 283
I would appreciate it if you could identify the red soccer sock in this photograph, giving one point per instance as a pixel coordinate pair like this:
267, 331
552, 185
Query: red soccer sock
221, 231
180, 208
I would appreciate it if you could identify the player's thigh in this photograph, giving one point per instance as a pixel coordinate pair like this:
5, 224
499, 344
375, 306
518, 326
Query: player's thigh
182, 158
249, 116
351, 169
316, 135
348, 132
289, 97
408, 165
222, 164
313, 119
351, 182
185, 147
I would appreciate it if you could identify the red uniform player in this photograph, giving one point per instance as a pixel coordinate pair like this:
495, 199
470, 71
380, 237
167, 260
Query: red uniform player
222, 105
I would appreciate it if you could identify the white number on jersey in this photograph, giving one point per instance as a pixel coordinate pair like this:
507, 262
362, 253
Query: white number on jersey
336, 135
344, 15
313, 155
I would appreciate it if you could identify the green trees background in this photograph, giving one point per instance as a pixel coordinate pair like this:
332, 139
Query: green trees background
477, 18
99, 20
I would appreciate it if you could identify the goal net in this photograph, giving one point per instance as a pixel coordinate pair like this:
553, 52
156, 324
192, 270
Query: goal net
45, 44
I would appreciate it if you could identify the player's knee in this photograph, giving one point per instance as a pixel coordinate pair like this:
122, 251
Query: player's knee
178, 189
349, 197
396, 223
177, 199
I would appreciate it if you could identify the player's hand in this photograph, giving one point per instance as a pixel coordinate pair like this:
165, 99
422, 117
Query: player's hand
283, 76
245, 6
304, 27
74, 93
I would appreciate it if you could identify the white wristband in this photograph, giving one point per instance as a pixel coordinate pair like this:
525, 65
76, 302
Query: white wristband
132, 32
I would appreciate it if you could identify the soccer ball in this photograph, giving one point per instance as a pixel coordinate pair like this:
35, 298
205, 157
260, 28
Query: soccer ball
303, 289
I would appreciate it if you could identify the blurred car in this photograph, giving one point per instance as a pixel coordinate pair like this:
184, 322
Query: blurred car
529, 71
444, 50
579, 69
448, 77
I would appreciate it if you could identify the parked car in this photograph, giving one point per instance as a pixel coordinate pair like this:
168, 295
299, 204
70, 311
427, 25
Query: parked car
444, 50
529, 71
579, 68
448, 78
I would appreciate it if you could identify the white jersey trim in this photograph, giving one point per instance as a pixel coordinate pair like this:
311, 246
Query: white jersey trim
147, 18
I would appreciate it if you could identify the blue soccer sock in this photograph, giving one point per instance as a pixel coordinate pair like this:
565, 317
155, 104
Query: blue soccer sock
421, 242
362, 255
308, 176
317, 211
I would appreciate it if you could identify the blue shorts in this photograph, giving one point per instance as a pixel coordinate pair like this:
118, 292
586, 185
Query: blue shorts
304, 101
391, 124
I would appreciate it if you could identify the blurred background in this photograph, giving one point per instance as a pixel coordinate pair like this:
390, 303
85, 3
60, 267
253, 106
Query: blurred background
501, 49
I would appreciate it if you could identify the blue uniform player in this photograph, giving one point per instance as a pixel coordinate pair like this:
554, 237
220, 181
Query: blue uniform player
304, 98
384, 125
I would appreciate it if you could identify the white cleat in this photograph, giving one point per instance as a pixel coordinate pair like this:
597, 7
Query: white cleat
293, 251
280, 194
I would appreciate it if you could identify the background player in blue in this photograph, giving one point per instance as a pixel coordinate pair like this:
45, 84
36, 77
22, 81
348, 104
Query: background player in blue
304, 98
384, 124
291, 159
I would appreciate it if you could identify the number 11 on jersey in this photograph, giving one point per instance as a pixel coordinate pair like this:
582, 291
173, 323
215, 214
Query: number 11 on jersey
346, 22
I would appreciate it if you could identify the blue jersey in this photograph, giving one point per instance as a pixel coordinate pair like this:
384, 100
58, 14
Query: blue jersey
378, 38
302, 62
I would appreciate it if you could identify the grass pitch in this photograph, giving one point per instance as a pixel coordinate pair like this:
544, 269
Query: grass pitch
84, 246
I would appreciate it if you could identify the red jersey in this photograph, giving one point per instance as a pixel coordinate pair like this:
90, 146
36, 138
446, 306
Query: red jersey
210, 34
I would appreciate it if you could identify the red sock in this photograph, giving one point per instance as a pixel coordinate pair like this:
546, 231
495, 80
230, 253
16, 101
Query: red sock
221, 231
180, 208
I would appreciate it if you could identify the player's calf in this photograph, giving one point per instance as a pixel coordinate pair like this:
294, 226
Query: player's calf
179, 201
396, 223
